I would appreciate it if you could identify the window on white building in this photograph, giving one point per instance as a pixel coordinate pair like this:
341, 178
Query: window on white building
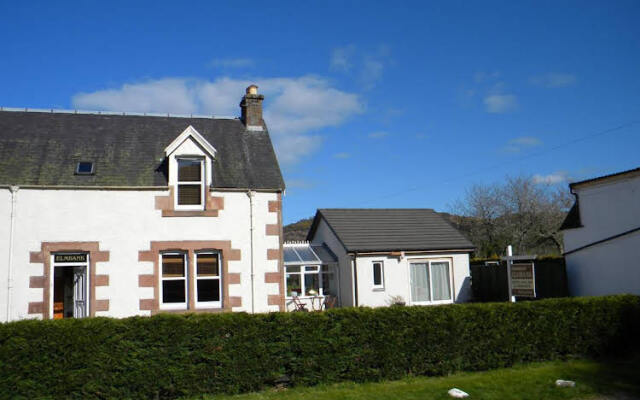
173, 287
190, 183
378, 275
208, 279
309, 280
431, 281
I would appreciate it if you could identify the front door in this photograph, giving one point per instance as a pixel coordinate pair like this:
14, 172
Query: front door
70, 285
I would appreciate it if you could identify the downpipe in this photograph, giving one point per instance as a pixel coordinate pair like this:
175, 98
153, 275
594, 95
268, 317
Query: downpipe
14, 192
251, 193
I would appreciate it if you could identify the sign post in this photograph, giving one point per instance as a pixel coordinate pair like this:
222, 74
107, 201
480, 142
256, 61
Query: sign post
521, 276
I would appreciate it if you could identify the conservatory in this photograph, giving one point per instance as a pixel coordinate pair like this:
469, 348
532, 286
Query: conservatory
311, 282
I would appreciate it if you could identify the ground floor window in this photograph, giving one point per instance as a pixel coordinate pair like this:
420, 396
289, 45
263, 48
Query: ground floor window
204, 280
174, 280
70, 285
309, 280
431, 281
208, 280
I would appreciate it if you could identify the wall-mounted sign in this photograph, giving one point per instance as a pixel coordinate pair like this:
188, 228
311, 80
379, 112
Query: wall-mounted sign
523, 280
70, 258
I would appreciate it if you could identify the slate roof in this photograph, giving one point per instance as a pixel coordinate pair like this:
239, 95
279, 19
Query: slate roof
391, 230
42, 148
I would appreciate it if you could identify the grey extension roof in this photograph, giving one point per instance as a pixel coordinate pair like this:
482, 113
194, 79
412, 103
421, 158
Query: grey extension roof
42, 148
397, 229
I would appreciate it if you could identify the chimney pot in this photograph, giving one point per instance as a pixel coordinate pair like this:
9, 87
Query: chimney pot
253, 89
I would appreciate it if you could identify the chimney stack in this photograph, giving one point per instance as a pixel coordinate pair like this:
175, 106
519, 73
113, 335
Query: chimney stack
251, 106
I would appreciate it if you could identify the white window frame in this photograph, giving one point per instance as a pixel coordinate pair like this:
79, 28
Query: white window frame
428, 262
174, 306
85, 264
203, 179
207, 304
302, 274
379, 287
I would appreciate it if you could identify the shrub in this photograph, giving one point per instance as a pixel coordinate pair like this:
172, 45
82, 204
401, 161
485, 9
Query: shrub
168, 356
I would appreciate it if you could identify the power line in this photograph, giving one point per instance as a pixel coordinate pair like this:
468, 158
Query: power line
502, 164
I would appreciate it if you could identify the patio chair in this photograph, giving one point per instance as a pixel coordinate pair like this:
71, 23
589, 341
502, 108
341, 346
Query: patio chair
300, 306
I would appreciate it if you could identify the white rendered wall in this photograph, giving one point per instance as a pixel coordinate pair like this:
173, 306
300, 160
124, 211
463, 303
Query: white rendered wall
611, 267
324, 234
606, 209
397, 278
124, 223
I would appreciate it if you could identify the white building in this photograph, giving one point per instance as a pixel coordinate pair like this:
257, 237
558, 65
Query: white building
602, 235
388, 255
105, 214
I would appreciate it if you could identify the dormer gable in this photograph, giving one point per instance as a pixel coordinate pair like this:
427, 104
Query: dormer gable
195, 136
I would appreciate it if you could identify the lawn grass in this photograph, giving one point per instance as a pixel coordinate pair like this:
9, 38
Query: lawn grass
534, 381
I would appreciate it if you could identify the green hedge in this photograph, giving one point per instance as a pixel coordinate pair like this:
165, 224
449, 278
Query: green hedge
168, 356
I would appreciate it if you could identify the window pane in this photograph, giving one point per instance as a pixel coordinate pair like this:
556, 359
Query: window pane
377, 274
189, 194
293, 268
290, 255
208, 289
172, 265
173, 291
311, 268
420, 282
311, 282
208, 265
293, 285
189, 170
440, 280
307, 255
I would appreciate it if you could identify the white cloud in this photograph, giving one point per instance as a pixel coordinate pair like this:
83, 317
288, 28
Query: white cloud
232, 62
342, 155
518, 144
377, 135
341, 58
500, 103
551, 179
166, 95
481, 76
554, 80
294, 107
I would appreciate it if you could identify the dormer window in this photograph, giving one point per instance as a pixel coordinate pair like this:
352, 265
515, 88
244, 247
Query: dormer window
84, 168
190, 183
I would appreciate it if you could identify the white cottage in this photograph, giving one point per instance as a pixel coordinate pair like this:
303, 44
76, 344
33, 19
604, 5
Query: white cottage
602, 235
385, 256
105, 214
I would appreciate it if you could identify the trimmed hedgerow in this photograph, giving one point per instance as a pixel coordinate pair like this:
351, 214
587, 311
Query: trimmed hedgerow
168, 356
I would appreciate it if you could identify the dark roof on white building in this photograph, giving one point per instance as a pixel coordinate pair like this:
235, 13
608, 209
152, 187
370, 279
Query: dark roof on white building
397, 229
43, 148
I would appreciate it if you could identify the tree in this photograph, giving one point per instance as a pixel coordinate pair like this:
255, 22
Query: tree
517, 211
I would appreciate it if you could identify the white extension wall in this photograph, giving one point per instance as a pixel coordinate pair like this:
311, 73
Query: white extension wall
124, 222
607, 209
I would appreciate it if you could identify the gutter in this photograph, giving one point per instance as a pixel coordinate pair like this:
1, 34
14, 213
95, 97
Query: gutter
14, 191
251, 193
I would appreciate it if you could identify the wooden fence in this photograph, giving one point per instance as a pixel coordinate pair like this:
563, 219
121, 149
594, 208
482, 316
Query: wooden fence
489, 282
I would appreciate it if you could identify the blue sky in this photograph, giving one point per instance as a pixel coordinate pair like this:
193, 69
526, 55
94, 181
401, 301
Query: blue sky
369, 104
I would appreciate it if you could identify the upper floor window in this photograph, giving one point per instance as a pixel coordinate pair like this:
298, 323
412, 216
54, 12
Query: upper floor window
85, 168
190, 183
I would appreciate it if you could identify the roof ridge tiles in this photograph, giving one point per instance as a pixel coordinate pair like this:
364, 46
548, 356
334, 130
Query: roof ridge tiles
112, 113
